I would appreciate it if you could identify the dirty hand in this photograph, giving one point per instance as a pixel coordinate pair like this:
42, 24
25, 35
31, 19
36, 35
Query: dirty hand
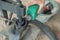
31, 2
39, 2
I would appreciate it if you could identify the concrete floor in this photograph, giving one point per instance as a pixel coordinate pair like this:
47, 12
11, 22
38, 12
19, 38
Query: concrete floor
54, 24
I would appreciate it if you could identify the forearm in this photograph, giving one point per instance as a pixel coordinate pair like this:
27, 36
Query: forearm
57, 1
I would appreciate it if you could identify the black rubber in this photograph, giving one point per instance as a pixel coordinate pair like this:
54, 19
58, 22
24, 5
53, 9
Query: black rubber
45, 29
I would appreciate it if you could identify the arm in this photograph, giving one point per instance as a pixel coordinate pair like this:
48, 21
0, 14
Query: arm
31, 2
57, 1
39, 2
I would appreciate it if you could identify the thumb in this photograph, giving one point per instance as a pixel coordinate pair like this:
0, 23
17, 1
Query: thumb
41, 6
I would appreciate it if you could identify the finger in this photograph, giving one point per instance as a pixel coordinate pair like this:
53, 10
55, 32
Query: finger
41, 5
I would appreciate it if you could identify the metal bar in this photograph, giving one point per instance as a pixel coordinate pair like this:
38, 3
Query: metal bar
1, 13
5, 14
9, 7
13, 8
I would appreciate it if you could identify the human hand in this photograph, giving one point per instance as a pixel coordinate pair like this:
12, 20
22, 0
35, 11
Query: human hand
39, 2
31, 2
